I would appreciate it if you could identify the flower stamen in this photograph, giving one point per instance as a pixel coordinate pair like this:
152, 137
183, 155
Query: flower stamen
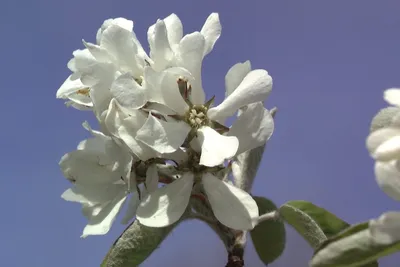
84, 92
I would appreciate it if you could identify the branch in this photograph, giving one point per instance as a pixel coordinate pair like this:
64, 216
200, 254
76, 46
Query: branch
235, 257
236, 250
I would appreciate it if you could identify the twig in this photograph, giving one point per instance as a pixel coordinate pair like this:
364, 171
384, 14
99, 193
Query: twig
273, 215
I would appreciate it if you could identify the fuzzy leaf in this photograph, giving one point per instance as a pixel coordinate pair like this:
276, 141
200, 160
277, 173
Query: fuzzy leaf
315, 224
135, 244
269, 237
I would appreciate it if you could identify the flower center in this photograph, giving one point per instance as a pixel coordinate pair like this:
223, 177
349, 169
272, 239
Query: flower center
196, 116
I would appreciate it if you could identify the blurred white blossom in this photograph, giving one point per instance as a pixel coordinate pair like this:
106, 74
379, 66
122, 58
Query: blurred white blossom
384, 146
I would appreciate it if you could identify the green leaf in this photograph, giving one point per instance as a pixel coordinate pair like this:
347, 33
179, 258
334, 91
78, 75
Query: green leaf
135, 244
268, 237
320, 227
356, 248
315, 224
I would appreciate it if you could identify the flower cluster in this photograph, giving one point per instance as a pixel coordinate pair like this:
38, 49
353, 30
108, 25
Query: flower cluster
384, 146
161, 141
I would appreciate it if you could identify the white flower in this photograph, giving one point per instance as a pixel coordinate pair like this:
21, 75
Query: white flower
114, 66
101, 175
91, 68
245, 89
386, 229
123, 124
152, 110
231, 206
384, 146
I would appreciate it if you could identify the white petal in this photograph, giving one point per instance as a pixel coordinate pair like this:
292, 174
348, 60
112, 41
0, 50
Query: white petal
386, 229
99, 53
114, 117
160, 50
127, 132
152, 83
75, 90
83, 59
93, 193
174, 29
78, 106
98, 146
84, 167
152, 178
163, 88
89, 210
110, 146
235, 76
180, 156
211, 32
167, 204
121, 22
100, 143
150, 35
232, 206
255, 87
91, 70
388, 150
141, 55
99, 72
70, 86
71, 194
101, 97
191, 50
215, 148
121, 45
172, 98
392, 96
101, 224
162, 136
133, 204
388, 178
128, 92
124, 124
157, 108
95, 133
96, 75
253, 128
378, 137
123, 165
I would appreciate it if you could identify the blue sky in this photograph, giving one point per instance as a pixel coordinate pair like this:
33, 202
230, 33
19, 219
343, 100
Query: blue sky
330, 61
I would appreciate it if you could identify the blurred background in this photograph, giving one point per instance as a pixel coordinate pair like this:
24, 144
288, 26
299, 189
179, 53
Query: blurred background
330, 61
